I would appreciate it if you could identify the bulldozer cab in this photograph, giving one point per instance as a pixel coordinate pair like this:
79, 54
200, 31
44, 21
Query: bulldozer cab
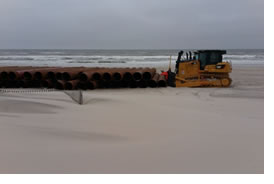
209, 57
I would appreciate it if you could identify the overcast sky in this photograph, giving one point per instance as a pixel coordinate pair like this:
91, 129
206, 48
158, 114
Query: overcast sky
131, 24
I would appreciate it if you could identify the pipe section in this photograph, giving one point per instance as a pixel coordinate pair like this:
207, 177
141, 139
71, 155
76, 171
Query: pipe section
85, 78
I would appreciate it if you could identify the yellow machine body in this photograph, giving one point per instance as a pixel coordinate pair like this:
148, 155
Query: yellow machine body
189, 74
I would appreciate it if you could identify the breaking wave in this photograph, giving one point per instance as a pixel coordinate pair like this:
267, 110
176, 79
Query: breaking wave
104, 58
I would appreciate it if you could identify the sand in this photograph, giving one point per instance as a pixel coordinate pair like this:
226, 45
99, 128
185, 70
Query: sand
168, 130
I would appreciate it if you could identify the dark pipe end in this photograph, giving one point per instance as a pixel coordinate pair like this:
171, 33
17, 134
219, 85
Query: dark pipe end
26, 84
115, 84
59, 86
142, 84
83, 77
117, 76
27, 76
4, 75
100, 84
45, 84
12, 75
10, 84
58, 76
147, 76
107, 76
162, 84
66, 76
106, 84
3, 84
35, 84
20, 84
133, 84
82, 85
90, 85
152, 84
96, 76
51, 75
124, 84
38, 76
137, 76
68, 86
127, 76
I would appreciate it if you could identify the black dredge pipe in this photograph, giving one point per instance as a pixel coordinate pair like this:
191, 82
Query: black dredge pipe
47, 84
142, 84
128, 76
148, 74
90, 85
132, 84
153, 83
92, 74
60, 85
162, 81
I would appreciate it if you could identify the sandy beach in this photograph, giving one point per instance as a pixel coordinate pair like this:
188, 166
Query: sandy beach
166, 130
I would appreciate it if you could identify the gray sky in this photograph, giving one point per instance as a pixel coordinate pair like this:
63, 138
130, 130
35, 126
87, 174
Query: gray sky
131, 24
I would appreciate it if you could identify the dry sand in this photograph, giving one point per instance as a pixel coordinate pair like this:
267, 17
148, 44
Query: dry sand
169, 130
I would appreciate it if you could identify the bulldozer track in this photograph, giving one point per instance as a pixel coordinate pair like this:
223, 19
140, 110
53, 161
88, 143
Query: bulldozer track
214, 75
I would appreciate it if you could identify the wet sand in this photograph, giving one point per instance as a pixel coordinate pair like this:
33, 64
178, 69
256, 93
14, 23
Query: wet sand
168, 130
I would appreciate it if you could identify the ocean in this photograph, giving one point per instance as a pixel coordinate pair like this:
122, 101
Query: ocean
114, 58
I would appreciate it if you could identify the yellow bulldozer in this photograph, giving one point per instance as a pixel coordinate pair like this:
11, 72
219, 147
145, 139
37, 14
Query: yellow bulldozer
204, 68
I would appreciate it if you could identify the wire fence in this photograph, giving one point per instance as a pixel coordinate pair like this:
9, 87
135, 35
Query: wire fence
76, 95
29, 90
